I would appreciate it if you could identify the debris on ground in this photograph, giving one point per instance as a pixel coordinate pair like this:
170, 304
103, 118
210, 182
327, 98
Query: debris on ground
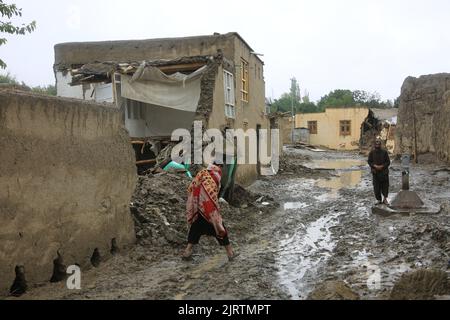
242, 198
159, 202
421, 285
333, 290
324, 231
293, 163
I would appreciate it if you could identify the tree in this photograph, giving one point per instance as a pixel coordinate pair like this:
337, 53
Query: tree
9, 79
49, 90
397, 103
9, 11
337, 98
305, 98
348, 98
295, 90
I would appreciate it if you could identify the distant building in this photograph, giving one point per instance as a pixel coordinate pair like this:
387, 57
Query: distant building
336, 128
350, 128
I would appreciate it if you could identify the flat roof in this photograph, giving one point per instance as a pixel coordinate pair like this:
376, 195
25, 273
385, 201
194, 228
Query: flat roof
65, 54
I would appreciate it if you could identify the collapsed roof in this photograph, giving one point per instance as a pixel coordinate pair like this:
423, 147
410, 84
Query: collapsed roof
103, 71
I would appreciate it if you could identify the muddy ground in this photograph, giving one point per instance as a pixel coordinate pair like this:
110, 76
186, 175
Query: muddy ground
322, 230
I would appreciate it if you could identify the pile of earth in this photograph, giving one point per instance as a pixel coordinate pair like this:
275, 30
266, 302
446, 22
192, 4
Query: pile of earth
421, 285
333, 290
293, 163
159, 202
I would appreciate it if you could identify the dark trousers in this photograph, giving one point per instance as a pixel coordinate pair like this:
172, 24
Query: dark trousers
202, 227
380, 186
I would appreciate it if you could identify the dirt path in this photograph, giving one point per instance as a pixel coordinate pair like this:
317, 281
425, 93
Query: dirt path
324, 230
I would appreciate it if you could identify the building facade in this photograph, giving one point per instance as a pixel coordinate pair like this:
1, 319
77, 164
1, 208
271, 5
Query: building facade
336, 128
229, 92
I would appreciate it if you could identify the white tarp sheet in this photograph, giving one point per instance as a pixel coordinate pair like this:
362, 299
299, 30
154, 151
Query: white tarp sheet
150, 85
156, 121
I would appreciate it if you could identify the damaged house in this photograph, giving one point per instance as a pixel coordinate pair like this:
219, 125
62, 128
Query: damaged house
165, 84
380, 123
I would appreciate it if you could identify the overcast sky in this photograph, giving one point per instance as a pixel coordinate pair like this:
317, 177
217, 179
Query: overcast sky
371, 45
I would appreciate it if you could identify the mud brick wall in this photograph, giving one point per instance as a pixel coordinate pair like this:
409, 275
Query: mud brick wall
424, 116
66, 178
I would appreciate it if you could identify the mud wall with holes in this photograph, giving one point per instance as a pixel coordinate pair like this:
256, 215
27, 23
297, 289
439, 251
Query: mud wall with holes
424, 116
66, 178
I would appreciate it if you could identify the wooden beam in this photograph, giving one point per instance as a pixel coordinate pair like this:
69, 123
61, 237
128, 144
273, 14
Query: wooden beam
142, 162
182, 67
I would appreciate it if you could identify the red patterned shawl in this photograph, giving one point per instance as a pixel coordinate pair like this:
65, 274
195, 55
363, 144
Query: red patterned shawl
203, 198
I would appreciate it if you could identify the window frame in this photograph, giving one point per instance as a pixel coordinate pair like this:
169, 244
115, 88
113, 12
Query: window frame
229, 94
313, 125
347, 125
135, 110
245, 80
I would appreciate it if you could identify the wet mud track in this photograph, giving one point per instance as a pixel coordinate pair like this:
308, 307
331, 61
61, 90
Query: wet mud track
327, 231
324, 230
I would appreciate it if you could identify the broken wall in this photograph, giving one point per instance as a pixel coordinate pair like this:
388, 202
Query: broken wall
78, 53
286, 129
66, 178
424, 116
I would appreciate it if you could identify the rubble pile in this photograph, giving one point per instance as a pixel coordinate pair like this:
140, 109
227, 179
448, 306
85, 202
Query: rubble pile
159, 202
421, 285
292, 163
333, 290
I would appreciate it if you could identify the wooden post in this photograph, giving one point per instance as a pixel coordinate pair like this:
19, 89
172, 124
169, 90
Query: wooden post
416, 160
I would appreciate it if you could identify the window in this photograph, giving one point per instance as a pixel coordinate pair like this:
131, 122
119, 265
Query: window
135, 110
312, 126
345, 127
228, 87
244, 80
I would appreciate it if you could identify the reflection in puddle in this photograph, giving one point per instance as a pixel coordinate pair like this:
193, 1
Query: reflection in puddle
335, 164
295, 205
348, 179
304, 252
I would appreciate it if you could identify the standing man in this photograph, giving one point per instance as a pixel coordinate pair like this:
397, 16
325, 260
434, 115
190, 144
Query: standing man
379, 163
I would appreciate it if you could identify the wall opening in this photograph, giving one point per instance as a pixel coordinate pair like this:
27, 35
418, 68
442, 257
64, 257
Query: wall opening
114, 247
59, 269
96, 258
19, 286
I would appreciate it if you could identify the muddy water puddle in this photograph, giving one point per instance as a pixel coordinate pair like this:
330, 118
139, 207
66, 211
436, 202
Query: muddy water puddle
301, 254
335, 164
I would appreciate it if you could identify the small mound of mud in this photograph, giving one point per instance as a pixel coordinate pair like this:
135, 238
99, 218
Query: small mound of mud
242, 198
333, 290
158, 207
293, 163
421, 285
